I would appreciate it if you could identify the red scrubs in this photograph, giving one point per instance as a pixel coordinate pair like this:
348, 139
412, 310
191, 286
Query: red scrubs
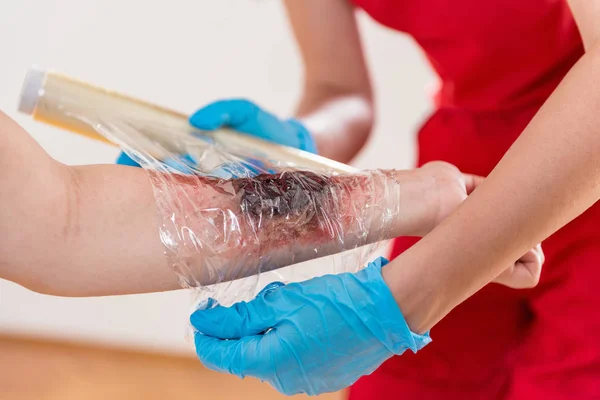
498, 61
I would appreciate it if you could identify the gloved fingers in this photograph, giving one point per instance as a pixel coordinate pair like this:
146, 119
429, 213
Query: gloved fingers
270, 287
247, 169
207, 304
184, 163
380, 262
124, 159
247, 117
238, 321
238, 357
233, 113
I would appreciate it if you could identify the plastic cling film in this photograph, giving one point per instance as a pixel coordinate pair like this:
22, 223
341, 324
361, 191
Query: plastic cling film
220, 231
236, 213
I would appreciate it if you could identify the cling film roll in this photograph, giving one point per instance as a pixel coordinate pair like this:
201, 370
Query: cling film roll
236, 212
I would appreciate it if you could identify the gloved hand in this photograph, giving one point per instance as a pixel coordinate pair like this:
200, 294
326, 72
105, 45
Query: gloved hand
312, 337
124, 159
181, 164
246, 117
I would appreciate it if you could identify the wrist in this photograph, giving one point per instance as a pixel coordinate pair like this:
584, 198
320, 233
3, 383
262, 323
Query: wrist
395, 331
413, 290
419, 203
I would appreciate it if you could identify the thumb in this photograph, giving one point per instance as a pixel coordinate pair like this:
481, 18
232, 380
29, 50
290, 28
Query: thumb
222, 113
472, 181
238, 321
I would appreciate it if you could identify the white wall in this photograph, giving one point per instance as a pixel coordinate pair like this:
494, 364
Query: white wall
181, 54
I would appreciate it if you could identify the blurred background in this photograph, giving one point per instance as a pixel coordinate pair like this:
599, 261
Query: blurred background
181, 54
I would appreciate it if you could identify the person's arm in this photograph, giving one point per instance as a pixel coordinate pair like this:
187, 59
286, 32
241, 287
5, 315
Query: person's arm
94, 230
335, 114
549, 177
74, 231
337, 104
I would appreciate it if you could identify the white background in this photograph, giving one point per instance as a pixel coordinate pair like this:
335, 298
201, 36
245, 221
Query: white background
181, 54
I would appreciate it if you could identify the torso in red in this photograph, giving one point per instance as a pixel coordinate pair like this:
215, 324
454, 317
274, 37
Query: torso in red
488, 54
498, 61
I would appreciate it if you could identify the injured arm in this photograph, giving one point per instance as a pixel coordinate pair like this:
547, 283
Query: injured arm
94, 230
221, 230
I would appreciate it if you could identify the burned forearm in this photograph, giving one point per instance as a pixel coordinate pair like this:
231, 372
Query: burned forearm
220, 230
101, 234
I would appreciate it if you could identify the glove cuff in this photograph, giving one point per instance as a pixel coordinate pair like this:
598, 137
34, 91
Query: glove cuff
386, 322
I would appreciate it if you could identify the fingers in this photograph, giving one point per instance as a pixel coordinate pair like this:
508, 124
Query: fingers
516, 277
124, 159
222, 113
182, 163
472, 181
238, 321
526, 272
237, 357
270, 287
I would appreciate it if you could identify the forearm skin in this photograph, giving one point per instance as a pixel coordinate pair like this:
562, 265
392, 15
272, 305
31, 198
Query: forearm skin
549, 177
219, 230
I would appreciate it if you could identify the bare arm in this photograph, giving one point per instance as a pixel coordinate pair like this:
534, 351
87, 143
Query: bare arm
337, 105
76, 230
549, 177
94, 230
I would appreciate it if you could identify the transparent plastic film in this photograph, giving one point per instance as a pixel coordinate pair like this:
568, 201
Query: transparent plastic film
236, 213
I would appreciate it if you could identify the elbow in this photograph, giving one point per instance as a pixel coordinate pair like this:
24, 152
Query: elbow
363, 121
591, 42
358, 98
342, 112
593, 49
359, 111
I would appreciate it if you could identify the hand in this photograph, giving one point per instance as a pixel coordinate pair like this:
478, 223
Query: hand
312, 337
182, 163
124, 159
525, 272
246, 117
451, 188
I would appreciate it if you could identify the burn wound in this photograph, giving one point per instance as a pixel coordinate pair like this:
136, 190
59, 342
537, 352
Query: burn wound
273, 210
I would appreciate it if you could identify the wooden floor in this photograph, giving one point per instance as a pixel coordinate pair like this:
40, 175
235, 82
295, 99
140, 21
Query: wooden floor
31, 369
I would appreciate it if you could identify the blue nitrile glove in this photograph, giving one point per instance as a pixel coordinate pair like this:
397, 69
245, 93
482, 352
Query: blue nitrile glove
313, 337
246, 117
185, 162
182, 164
124, 159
